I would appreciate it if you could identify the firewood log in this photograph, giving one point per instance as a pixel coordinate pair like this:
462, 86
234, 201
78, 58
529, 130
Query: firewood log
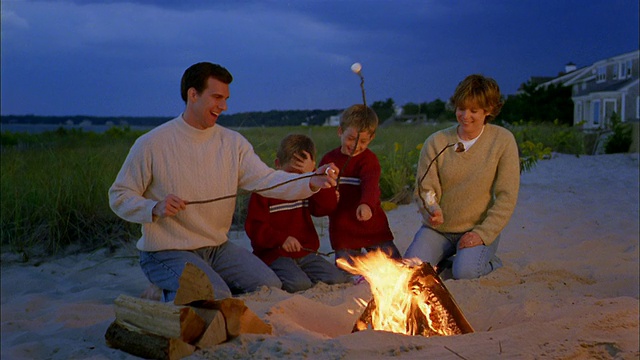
240, 319
137, 342
194, 286
216, 331
164, 319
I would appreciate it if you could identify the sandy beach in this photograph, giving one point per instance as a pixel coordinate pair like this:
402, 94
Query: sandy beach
569, 288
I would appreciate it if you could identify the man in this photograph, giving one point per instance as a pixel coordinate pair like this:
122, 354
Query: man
190, 159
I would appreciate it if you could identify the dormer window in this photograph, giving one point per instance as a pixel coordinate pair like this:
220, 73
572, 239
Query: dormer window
623, 70
602, 74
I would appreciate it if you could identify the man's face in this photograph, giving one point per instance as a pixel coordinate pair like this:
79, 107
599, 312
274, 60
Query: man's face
203, 109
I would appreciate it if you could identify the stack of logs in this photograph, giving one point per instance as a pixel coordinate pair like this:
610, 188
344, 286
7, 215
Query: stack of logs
158, 330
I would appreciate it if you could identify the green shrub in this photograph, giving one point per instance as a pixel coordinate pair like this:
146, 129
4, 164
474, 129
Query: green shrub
621, 139
54, 185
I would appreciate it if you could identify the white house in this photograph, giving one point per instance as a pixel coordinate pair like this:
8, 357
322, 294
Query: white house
598, 90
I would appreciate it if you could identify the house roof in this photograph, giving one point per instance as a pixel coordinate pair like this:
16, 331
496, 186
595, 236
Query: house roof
587, 73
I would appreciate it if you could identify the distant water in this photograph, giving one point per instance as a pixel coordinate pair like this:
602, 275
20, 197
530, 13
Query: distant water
40, 128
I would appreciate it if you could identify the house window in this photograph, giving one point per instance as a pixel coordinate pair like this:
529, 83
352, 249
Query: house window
616, 69
602, 74
628, 72
596, 112
623, 70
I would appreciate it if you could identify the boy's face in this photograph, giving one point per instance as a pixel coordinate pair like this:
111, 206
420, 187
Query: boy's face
348, 140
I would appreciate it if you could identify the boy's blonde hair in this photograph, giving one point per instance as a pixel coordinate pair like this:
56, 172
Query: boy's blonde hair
295, 144
481, 90
360, 117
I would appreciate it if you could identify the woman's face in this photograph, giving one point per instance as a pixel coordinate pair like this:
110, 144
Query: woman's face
471, 119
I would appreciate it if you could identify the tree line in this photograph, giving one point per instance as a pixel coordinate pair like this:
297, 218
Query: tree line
531, 104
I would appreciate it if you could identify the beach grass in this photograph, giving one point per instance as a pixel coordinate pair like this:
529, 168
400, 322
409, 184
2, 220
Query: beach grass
54, 185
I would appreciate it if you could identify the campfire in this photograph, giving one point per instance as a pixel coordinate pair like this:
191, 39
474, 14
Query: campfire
408, 297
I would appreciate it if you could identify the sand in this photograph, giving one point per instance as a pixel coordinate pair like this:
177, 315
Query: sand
568, 289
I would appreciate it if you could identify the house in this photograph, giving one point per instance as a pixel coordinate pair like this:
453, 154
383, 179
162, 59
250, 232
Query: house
605, 87
332, 120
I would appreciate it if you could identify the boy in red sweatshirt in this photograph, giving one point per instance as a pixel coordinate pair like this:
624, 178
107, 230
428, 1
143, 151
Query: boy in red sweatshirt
358, 221
282, 232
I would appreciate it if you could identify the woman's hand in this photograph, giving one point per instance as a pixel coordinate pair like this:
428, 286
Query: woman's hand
469, 239
436, 218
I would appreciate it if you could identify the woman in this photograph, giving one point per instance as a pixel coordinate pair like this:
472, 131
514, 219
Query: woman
467, 184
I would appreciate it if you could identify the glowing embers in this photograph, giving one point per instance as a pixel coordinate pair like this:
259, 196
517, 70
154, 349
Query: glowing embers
408, 298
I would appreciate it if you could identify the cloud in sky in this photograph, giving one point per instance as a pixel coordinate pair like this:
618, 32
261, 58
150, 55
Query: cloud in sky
111, 58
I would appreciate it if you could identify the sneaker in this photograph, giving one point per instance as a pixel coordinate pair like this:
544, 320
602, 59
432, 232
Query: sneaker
495, 262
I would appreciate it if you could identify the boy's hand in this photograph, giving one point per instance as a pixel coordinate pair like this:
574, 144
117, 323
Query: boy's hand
291, 245
170, 206
363, 212
304, 164
326, 177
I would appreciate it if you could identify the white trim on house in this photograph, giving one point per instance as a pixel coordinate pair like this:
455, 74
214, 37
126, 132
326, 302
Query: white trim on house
606, 84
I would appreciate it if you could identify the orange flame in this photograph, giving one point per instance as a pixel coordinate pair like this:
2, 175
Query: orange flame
401, 306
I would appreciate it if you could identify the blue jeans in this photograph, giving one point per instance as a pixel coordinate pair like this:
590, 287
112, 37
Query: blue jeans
301, 273
432, 246
231, 269
388, 247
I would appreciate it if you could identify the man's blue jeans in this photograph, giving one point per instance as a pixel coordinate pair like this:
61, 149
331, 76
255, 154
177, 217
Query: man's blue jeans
231, 269
432, 246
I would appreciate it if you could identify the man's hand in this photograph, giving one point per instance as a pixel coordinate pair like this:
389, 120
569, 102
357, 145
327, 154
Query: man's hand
326, 177
291, 244
170, 206
363, 212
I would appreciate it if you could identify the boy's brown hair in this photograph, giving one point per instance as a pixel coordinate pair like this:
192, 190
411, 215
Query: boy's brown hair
295, 144
481, 90
360, 117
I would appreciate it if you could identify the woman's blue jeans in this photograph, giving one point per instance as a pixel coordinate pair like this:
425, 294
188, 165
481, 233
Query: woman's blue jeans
231, 269
432, 246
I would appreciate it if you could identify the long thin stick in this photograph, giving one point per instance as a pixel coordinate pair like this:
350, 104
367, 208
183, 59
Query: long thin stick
455, 353
252, 191
318, 252
424, 203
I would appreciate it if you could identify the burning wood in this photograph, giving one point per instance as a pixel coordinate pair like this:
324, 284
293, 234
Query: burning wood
408, 298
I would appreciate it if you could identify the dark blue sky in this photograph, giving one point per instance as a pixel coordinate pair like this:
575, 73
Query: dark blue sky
125, 58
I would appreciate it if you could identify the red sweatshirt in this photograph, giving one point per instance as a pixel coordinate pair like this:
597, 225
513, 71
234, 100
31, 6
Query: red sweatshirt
359, 184
270, 221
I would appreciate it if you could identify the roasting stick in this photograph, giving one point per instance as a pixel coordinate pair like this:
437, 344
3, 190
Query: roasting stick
318, 252
357, 69
255, 191
459, 148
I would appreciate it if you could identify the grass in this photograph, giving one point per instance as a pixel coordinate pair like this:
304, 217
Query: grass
54, 185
